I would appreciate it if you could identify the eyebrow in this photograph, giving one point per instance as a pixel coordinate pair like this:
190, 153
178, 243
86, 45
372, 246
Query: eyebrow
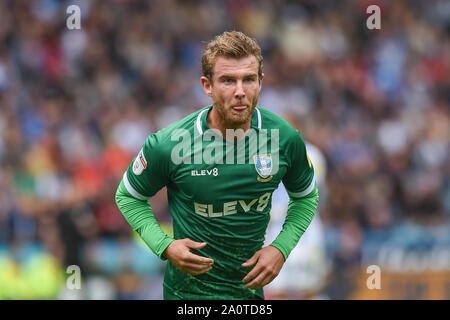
250, 75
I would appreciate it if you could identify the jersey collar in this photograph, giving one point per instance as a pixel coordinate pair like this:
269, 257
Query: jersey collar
202, 125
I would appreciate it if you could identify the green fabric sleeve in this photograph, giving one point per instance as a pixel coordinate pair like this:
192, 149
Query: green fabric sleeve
298, 217
140, 216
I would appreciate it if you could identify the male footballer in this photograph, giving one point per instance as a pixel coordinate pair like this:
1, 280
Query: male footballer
221, 165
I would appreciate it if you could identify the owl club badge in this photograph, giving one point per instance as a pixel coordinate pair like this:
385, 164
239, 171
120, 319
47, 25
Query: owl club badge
140, 163
263, 165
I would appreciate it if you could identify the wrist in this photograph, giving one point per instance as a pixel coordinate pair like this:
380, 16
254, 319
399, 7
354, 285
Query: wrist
279, 250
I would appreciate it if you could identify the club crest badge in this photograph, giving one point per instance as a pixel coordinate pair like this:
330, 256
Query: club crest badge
263, 165
140, 163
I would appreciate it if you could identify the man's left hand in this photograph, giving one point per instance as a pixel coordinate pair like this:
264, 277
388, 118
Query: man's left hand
269, 261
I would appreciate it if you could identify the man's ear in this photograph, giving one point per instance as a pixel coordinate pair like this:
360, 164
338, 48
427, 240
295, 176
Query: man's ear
207, 86
261, 79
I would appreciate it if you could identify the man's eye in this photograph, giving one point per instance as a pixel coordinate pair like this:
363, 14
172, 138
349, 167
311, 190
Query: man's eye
249, 80
228, 80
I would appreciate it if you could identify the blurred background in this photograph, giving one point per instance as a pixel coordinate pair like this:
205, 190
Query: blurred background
373, 105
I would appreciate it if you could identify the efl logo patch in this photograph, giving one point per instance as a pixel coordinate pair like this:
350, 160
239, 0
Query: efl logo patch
263, 165
140, 163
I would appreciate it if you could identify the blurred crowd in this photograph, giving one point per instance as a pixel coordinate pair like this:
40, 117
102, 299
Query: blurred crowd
76, 106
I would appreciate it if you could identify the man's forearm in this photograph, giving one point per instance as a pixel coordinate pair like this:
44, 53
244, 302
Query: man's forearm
298, 217
141, 218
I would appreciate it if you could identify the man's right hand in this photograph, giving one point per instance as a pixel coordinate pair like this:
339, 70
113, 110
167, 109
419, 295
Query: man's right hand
179, 253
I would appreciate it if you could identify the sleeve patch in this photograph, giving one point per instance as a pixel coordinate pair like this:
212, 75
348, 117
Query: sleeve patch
140, 163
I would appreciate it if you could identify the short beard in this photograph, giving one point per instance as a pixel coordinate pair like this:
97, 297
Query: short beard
232, 122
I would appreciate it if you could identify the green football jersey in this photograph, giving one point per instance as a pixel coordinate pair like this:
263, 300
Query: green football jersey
220, 192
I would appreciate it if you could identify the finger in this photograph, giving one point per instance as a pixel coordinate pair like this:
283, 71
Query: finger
198, 266
195, 270
251, 261
257, 282
195, 245
267, 280
194, 258
252, 274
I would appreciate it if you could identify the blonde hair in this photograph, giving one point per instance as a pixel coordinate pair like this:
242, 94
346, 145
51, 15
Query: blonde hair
232, 44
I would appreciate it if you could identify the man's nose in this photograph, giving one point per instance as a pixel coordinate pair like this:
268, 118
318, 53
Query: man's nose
239, 93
